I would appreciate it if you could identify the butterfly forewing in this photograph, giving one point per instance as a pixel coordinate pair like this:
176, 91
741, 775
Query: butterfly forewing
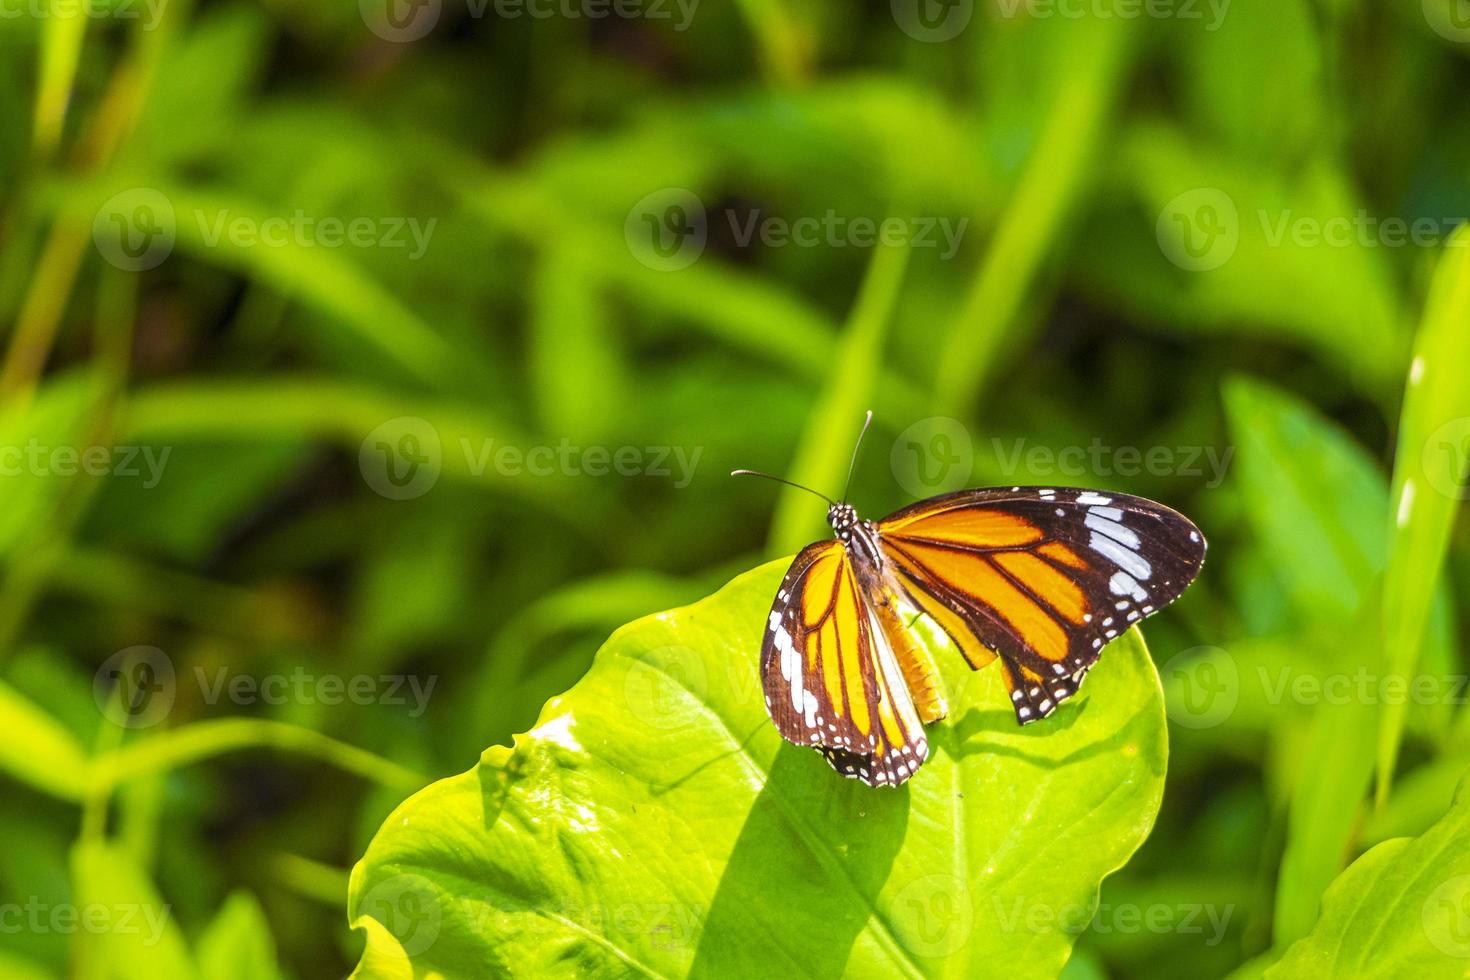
1043, 577
830, 676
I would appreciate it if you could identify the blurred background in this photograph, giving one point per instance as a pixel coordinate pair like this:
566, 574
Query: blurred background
365, 364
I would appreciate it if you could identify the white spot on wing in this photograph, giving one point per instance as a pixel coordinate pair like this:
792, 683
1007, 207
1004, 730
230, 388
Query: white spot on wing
1111, 528
1124, 584
1129, 561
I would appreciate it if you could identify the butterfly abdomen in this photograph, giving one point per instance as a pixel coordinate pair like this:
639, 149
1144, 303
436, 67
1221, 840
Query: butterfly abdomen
920, 673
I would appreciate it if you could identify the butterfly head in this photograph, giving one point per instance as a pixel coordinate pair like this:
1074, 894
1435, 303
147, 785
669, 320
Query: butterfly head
842, 517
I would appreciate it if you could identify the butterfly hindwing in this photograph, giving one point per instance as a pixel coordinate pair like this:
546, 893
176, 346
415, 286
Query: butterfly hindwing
830, 676
1044, 577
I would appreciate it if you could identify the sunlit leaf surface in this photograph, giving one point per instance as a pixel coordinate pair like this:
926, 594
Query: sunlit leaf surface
652, 822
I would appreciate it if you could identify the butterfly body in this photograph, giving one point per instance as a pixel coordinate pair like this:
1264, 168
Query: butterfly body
1040, 578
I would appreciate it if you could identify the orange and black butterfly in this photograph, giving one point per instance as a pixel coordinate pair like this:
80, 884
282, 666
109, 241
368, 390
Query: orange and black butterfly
1040, 577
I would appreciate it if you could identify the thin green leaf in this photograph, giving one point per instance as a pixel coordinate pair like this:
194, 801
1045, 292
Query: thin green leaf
38, 751
576, 362
783, 39
1028, 231
206, 739
62, 33
1313, 499
826, 445
1431, 475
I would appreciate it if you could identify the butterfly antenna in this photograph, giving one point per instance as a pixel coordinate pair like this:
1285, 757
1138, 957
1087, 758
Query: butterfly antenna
856, 446
779, 480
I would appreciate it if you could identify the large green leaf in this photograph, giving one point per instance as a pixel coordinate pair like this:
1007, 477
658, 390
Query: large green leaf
1398, 911
654, 823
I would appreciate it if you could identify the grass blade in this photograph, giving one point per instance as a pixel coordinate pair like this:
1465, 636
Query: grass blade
1429, 479
1057, 170
826, 445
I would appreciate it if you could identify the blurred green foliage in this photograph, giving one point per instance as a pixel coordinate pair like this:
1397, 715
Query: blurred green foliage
1190, 233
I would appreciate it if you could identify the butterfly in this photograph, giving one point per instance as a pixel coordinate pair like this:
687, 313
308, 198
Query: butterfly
1039, 578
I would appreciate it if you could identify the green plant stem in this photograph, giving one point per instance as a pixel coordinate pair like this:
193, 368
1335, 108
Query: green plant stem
206, 739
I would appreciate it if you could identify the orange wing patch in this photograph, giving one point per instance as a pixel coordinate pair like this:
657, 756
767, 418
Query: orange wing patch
832, 679
973, 576
964, 525
1042, 577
